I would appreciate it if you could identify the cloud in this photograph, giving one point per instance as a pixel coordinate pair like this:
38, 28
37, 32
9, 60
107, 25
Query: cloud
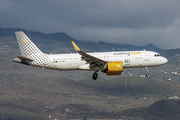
137, 22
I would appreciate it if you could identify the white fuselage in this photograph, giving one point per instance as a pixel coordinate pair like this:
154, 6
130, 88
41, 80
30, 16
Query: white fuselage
130, 59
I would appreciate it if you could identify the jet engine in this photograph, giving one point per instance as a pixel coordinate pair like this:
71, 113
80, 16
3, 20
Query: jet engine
114, 68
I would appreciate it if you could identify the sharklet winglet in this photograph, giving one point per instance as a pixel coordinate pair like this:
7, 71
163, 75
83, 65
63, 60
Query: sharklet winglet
75, 46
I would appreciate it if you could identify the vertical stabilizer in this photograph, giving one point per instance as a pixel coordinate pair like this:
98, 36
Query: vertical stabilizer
30, 54
26, 46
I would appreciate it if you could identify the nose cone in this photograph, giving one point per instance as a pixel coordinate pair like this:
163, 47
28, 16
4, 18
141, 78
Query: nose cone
164, 60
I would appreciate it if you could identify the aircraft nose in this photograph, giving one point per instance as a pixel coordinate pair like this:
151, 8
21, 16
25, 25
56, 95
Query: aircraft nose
164, 60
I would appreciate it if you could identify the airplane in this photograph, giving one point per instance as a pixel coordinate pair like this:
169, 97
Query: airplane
111, 63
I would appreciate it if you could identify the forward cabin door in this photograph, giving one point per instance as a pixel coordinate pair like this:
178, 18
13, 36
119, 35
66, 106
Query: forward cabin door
147, 57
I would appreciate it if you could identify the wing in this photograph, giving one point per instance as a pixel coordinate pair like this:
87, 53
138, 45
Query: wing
93, 61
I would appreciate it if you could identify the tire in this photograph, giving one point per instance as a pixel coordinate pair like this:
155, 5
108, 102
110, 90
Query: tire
95, 75
147, 74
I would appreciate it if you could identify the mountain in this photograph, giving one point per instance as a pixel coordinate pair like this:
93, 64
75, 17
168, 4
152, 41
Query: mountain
61, 42
170, 53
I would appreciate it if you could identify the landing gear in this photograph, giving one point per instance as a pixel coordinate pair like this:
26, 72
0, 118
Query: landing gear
95, 75
147, 74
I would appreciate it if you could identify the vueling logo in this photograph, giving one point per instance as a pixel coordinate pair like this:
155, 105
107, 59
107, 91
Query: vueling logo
135, 53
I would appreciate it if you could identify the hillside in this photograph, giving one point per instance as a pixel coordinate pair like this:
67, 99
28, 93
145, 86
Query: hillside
168, 109
48, 94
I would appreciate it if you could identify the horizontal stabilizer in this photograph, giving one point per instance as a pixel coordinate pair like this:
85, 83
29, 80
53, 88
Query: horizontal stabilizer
24, 58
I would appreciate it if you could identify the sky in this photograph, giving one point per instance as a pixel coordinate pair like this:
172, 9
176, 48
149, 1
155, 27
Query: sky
135, 22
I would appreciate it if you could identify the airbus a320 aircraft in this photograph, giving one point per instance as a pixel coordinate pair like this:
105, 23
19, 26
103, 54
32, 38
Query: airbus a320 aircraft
111, 63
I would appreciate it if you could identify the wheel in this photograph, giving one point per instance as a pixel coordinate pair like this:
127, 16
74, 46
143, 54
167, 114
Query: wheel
95, 75
147, 74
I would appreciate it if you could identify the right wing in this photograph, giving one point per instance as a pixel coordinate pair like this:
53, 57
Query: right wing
93, 61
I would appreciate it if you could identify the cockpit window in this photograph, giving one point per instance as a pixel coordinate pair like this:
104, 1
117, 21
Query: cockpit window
156, 55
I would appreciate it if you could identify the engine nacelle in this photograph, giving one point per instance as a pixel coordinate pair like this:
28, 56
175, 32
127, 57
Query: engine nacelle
114, 68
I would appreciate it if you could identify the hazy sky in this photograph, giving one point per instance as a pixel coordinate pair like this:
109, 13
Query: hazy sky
136, 22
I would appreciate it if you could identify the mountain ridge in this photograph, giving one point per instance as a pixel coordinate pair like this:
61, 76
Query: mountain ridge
60, 40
